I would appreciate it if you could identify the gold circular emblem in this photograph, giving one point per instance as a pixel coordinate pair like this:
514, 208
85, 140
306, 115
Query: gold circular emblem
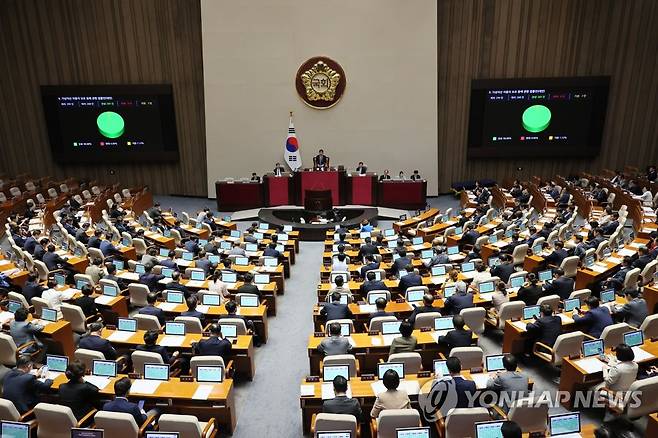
320, 82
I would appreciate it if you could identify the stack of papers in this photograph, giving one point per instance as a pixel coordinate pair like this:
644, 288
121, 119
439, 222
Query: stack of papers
598, 268
367, 308
98, 381
202, 308
565, 318
307, 390
626, 252
328, 391
171, 341
641, 355
4, 262
142, 386
388, 339
195, 283
103, 299
412, 387
167, 307
590, 365
480, 380
120, 336
519, 325
202, 392
68, 293
6, 317
437, 333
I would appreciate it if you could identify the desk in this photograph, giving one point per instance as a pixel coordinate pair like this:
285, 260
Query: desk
362, 189
585, 276
333, 180
242, 350
650, 294
232, 196
175, 397
61, 333
401, 226
409, 195
278, 190
19, 277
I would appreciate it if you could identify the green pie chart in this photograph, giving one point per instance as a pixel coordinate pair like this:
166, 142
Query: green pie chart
536, 118
110, 124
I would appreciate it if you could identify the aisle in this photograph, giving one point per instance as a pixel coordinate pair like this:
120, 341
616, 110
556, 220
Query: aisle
269, 406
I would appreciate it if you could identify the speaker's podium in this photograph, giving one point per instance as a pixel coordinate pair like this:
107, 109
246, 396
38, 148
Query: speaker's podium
279, 190
362, 189
332, 180
317, 200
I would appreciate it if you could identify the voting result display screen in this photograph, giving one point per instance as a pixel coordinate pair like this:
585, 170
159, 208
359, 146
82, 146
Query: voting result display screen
528, 118
111, 123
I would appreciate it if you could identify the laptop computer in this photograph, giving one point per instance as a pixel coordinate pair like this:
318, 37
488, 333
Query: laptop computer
211, 300
494, 362
127, 324
249, 301
374, 296
440, 367
174, 328
564, 424
175, 297
593, 348
530, 311
57, 363
634, 338
546, 275
210, 374
489, 429
229, 330
443, 323
398, 367
412, 432
104, 368
571, 303
156, 371
329, 372
49, 315
86, 433
13, 429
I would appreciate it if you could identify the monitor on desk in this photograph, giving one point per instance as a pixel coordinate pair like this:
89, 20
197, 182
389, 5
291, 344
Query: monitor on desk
139, 268
398, 367
211, 374
415, 295
249, 301
104, 368
60, 279
374, 296
335, 434
214, 259
283, 237
493, 238
413, 432
389, 232
571, 303
13, 306
443, 323
175, 328
49, 314
426, 254
489, 429
229, 277
81, 282
449, 291
259, 236
392, 244
251, 247
197, 275
127, 324
563, 424
166, 233
517, 281
241, 261
634, 338
486, 287
187, 256
391, 327
57, 363
229, 330
589, 261
334, 275
607, 296
210, 300
593, 348
13, 429
530, 312
262, 278
167, 272
438, 271
345, 329
110, 290
536, 249
156, 371
440, 367
280, 248
344, 299
452, 250
493, 262
417, 241
287, 228
468, 267
225, 245
545, 275
86, 433
175, 297
203, 242
118, 264
77, 252
164, 252
264, 226
329, 372
494, 362
458, 230
235, 233
509, 233
270, 262
402, 273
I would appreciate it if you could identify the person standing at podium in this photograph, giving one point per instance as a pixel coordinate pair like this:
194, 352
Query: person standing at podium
321, 161
278, 169
361, 169
385, 175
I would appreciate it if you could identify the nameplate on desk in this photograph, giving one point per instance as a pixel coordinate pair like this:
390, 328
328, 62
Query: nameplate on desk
111, 327
367, 377
186, 379
426, 329
400, 300
134, 376
319, 335
476, 370
422, 374
311, 379
373, 333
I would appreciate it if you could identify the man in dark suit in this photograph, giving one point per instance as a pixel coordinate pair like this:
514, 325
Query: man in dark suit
411, 279
380, 304
361, 169
192, 245
278, 169
22, 388
611, 226
40, 249
109, 250
191, 309
169, 261
95, 240
544, 329
150, 279
335, 310
121, 403
150, 339
52, 260
175, 285
271, 251
341, 403
401, 262
81, 234
635, 310
248, 287
371, 284
321, 161
151, 298
462, 386
215, 345
459, 337
428, 306
596, 240
31, 241
32, 287
367, 249
369, 266
94, 341
460, 300
203, 263
231, 310
86, 302
470, 235
558, 254
561, 285
595, 319
504, 269
617, 280
643, 259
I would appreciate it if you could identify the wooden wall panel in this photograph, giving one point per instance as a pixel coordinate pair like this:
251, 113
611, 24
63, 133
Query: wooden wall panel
480, 39
101, 42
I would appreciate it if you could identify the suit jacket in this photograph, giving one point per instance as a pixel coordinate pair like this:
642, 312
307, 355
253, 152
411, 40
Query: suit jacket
87, 304
214, 346
121, 404
457, 338
108, 249
511, 382
39, 251
530, 294
503, 271
462, 387
368, 267
556, 257
368, 249
546, 329
271, 252
335, 345
368, 286
469, 237
29, 245
390, 399
642, 261
596, 320
175, 286
23, 389
634, 312
403, 345
249, 289
81, 236
53, 261
458, 302
410, 280
379, 313
23, 332
194, 314
159, 349
96, 343
155, 311
562, 286
343, 405
151, 280
168, 263
94, 242
31, 290
400, 263
206, 265
80, 397
335, 311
